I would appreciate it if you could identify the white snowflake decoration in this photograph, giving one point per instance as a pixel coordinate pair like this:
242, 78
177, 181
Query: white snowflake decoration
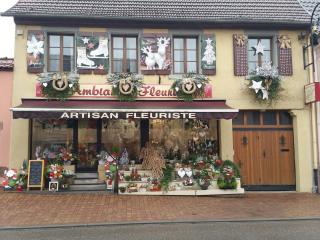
35, 47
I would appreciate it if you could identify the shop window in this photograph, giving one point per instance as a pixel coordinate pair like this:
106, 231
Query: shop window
60, 53
181, 138
269, 118
185, 55
255, 58
51, 136
285, 118
122, 134
239, 120
253, 118
124, 54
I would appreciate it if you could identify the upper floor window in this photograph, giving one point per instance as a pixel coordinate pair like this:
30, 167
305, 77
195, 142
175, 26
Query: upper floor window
60, 53
259, 51
124, 54
185, 55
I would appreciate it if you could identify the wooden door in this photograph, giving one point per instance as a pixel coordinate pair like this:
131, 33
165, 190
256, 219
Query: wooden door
265, 154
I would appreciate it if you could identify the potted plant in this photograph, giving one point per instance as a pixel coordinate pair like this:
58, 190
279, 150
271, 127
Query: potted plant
228, 174
122, 189
204, 179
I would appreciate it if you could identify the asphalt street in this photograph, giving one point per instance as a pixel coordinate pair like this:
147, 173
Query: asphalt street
275, 230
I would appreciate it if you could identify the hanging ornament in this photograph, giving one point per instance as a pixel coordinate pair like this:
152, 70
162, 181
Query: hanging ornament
125, 87
60, 83
45, 84
177, 89
188, 86
70, 85
259, 48
265, 94
85, 40
256, 86
199, 85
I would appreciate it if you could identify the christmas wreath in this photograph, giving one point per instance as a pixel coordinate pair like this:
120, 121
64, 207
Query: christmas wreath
59, 85
189, 86
125, 86
265, 83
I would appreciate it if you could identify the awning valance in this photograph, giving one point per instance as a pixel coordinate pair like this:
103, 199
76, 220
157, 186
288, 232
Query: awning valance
79, 109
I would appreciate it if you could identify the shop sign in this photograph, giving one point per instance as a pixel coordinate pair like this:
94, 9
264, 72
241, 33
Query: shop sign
128, 115
312, 92
147, 91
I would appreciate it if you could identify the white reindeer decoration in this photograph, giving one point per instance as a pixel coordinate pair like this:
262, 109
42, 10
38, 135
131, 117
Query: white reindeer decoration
157, 58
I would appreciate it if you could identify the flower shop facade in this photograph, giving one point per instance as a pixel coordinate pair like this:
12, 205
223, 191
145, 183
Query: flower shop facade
184, 88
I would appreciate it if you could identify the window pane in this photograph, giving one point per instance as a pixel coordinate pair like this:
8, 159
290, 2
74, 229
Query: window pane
54, 65
269, 118
132, 54
191, 43
68, 41
266, 43
67, 64
178, 67
54, 41
266, 56
117, 66
239, 120
253, 118
252, 57
285, 118
118, 54
252, 66
131, 66
178, 55
178, 43
67, 52
131, 43
192, 67
118, 42
191, 55
54, 53
252, 42
51, 135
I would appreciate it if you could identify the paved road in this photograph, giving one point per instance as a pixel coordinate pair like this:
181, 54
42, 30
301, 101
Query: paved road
275, 230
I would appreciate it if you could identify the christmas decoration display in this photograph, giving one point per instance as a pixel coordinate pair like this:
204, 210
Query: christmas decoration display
54, 171
208, 54
35, 51
93, 52
240, 53
125, 85
266, 83
65, 157
58, 85
155, 53
15, 180
229, 173
259, 48
124, 159
152, 160
285, 55
189, 86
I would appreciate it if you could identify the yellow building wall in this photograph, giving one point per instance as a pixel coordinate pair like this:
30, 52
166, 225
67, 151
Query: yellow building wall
225, 86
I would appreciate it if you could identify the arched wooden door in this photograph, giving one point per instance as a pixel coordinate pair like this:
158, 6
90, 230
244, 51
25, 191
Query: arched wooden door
264, 149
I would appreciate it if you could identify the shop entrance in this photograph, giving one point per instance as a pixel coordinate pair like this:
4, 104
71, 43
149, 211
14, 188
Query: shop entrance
264, 149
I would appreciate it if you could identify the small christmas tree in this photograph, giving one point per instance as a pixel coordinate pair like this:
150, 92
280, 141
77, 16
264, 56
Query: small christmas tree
209, 55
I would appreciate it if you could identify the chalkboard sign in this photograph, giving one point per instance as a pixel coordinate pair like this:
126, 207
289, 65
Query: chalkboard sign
35, 173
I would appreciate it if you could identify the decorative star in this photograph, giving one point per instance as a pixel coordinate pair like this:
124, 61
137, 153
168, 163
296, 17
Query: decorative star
85, 40
90, 46
209, 41
258, 49
265, 94
256, 86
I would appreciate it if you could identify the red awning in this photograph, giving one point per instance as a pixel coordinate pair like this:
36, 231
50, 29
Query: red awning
75, 108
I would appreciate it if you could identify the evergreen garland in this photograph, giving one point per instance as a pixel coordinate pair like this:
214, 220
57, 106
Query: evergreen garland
116, 78
199, 80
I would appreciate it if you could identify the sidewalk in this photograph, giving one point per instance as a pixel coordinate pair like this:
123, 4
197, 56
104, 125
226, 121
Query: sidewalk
33, 209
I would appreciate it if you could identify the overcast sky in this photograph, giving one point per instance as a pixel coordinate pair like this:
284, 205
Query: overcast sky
7, 30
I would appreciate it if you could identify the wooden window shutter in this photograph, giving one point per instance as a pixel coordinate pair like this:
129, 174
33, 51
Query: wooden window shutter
35, 51
208, 54
155, 54
92, 53
284, 56
240, 54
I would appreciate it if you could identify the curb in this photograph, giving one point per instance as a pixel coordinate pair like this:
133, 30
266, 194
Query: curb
164, 222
